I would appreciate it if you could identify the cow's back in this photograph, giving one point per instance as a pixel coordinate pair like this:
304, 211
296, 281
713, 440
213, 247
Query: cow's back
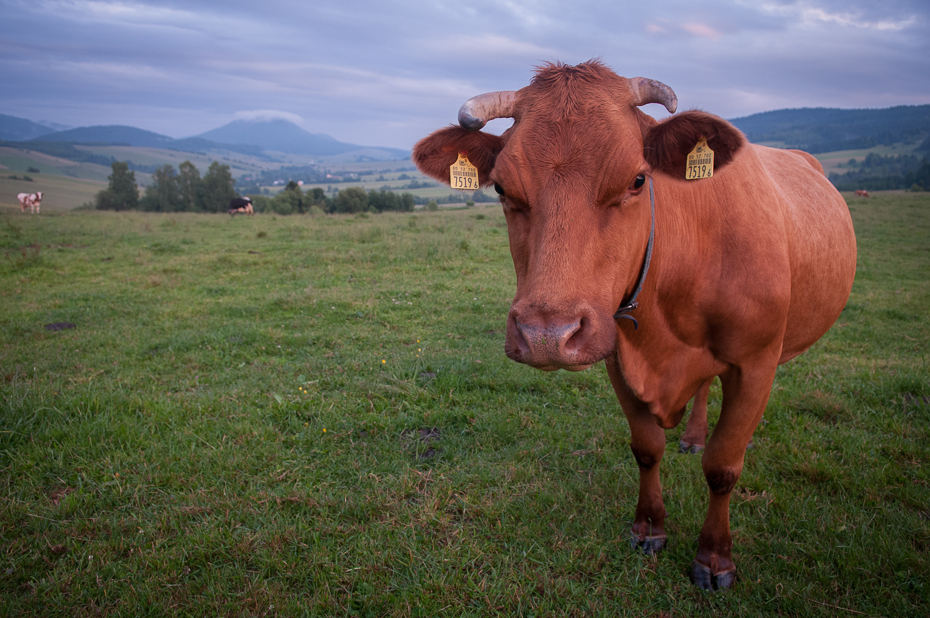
821, 244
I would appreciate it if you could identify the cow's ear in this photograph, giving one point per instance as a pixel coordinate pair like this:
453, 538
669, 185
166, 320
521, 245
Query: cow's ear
667, 144
437, 152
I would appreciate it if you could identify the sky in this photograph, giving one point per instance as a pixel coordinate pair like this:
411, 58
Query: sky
388, 73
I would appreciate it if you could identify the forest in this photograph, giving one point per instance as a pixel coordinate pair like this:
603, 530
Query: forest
879, 173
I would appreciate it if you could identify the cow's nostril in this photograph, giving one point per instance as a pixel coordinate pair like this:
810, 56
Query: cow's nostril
576, 339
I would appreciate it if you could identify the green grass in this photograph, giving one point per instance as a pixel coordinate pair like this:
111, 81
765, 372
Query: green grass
277, 416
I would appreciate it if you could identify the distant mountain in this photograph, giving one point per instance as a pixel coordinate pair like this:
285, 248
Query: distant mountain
131, 136
111, 134
249, 137
279, 135
284, 136
18, 129
821, 129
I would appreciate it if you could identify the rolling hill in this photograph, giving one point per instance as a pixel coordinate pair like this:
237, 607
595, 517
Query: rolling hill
19, 129
256, 138
818, 130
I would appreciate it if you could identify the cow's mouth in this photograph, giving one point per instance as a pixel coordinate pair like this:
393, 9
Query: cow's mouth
565, 367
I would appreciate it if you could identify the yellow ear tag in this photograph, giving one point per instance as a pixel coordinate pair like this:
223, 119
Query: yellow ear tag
700, 161
463, 175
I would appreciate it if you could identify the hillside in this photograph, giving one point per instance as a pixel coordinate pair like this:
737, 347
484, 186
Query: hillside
19, 129
110, 134
819, 130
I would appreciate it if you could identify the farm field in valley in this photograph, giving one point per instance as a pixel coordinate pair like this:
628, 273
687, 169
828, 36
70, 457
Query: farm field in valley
313, 415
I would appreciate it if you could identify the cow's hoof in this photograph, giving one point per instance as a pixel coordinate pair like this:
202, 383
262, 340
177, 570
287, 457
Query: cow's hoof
702, 577
687, 447
648, 545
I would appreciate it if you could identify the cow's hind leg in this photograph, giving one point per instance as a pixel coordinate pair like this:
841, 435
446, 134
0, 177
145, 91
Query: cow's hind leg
647, 441
695, 436
745, 394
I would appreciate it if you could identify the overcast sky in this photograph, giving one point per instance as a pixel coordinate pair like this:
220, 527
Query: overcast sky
387, 73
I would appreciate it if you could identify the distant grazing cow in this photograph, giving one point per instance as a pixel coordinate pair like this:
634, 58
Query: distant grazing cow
862, 193
241, 205
30, 200
675, 251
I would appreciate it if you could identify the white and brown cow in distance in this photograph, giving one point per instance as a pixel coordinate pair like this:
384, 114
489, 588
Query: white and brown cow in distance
862, 193
31, 201
241, 206
746, 269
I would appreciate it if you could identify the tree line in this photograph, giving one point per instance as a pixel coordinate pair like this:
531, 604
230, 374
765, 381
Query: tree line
170, 191
184, 190
878, 173
294, 200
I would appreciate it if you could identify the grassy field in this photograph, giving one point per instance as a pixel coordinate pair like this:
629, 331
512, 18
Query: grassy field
61, 192
837, 161
286, 416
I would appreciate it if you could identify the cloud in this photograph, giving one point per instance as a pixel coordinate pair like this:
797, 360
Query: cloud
489, 45
374, 73
810, 14
701, 30
268, 114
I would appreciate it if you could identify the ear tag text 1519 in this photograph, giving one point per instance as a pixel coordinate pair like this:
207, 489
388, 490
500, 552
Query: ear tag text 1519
700, 161
463, 175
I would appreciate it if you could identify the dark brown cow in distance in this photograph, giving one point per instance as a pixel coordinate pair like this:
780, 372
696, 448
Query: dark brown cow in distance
241, 206
731, 276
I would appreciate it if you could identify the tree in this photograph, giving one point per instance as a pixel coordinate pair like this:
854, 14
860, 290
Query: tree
122, 193
384, 200
351, 199
190, 187
296, 196
285, 202
217, 188
163, 195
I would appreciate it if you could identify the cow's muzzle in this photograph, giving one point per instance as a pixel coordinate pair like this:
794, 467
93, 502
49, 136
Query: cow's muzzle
550, 344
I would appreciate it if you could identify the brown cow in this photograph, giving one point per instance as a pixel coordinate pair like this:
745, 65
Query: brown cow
725, 276
862, 193
31, 201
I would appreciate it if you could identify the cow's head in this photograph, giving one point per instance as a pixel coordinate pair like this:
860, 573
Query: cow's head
572, 178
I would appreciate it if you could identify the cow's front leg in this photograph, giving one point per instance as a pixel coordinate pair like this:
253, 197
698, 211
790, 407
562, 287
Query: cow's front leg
745, 394
647, 441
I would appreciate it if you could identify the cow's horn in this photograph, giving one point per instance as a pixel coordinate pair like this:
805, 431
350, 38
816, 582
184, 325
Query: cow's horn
477, 111
652, 91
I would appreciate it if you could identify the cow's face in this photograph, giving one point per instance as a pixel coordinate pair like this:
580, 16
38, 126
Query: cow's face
572, 178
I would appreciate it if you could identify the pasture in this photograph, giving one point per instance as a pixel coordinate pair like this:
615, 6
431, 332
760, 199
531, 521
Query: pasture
313, 416
62, 193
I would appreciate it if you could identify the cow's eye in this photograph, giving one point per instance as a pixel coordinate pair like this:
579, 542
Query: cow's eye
640, 181
498, 188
